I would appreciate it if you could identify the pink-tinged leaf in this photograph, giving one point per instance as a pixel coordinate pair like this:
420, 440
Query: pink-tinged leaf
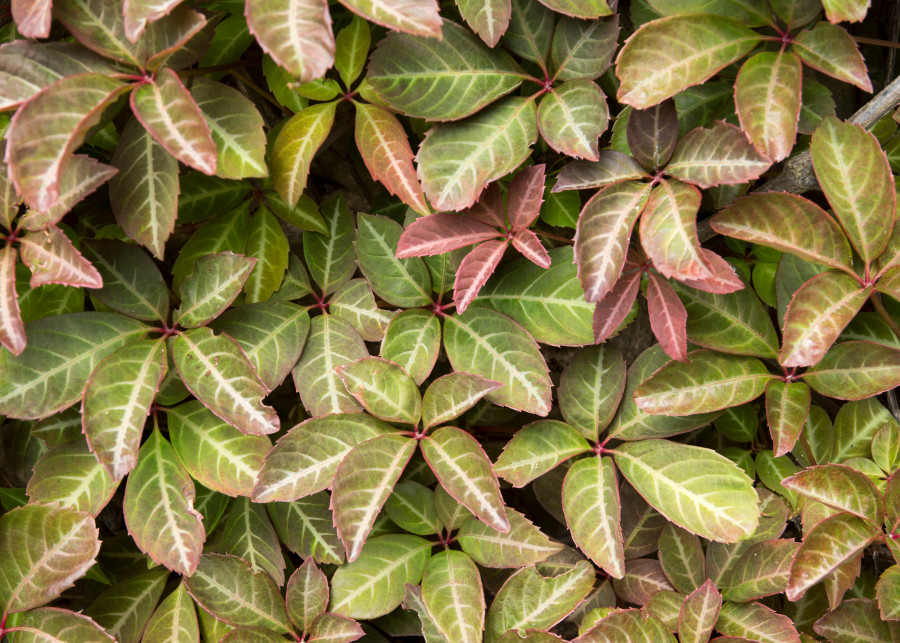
417, 17
846, 10
572, 117
853, 621
489, 208
842, 580
526, 193
538, 448
767, 97
611, 311
682, 559
611, 167
789, 223
889, 282
642, 579
832, 51
697, 46
840, 487
99, 25
723, 280
762, 570
668, 317
474, 271
296, 33
787, 405
81, 177
601, 239
177, 40
527, 243
385, 150
652, 134
627, 626
855, 370
487, 18
831, 543
362, 484
699, 614
294, 148
45, 130
331, 628
464, 470
137, 13
888, 592
12, 330
169, 113
817, 314
32, 17
756, 622
442, 232
720, 155
56, 624
856, 178
669, 231
54, 260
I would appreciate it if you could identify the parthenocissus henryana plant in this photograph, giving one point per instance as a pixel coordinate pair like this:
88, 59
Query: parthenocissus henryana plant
495, 321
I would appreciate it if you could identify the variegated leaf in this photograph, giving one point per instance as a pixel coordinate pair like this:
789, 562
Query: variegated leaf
296, 33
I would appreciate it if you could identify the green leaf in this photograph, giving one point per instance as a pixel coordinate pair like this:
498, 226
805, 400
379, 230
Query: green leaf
411, 507
831, 50
457, 160
306, 527
412, 341
224, 233
236, 128
331, 628
49, 127
767, 96
124, 609
331, 343
383, 388
53, 259
590, 389
296, 33
158, 507
296, 144
755, 622
585, 9
840, 487
401, 282
226, 588
572, 117
632, 624
266, 242
709, 382
70, 475
216, 454
530, 601
249, 535
304, 460
465, 472
696, 488
203, 196
720, 155
888, 592
854, 620
50, 624
699, 613
271, 334
362, 484
787, 407
304, 215
590, 500
762, 571
855, 371
489, 20
583, 48
487, 343
60, 428
643, 578
524, 544
682, 560
216, 371
529, 30
452, 593
212, 287
856, 178
373, 584
352, 50
12, 330
408, 71
174, 621
307, 595
547, 302
52, 371
117, 399
132, 284
331, 258
536, 448
698, 47
451, 395
46, 548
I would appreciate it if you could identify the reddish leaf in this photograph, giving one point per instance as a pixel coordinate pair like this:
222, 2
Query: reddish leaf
611, 311
756, 622
32, 17
652, 134
855, 370
724, 279
442, 232
527, 242
54, 260
845, 10
81, 176
474, 271
720, 155
762, 570
137, 13
787, 405
767, 97
169, 113
385, 150
12, 331
526, 193
489, 20
643, 578
699, 613
854, 621
611, 167
489, 208
840, 487
668, 317
572, 117
832, 51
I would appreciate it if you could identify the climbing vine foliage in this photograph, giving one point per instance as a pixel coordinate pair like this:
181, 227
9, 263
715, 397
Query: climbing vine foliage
473, 321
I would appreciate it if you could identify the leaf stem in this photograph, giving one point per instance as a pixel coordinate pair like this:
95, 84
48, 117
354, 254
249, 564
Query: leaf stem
555, 237
875, 298
876, 41
809, 454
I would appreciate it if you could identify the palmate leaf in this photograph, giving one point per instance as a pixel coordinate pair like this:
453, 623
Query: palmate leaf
12, 330
401, 282
669, 231
886, 590
611, 167
331, 628
720, 155
529, 600
62, 351
374, 583
590, 499
536, 448
682, 559
840, 487
306, 595
856, 425
585, 9
51, 624
362, 484
138, 13
124, 609
412, 341
749, 13
855, 620
306, 527
296, 33
331, 257
227, 588
474, 270
699, 613
268, 244
831, 50
767, 96
524, 544
855, 370
174, 621
177, 40
305, 459
457, 160
442, 232
668, 317
211, 288
98, 25
408, 71
487, 343
159, 509
756, 622
355, 303
695, 488
465, 472
296, 144
452, 593
572, 117
529, 31
451, 395
489, 19
418, 17
132, 284
249, 535
54, 260
411, 507
46, 548
652, 134
697, 47
590, 389
224, 233
627, 626
763, 570
787, 407
583, 48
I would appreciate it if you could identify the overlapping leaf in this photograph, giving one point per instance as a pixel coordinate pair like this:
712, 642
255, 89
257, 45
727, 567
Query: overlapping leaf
296, 33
